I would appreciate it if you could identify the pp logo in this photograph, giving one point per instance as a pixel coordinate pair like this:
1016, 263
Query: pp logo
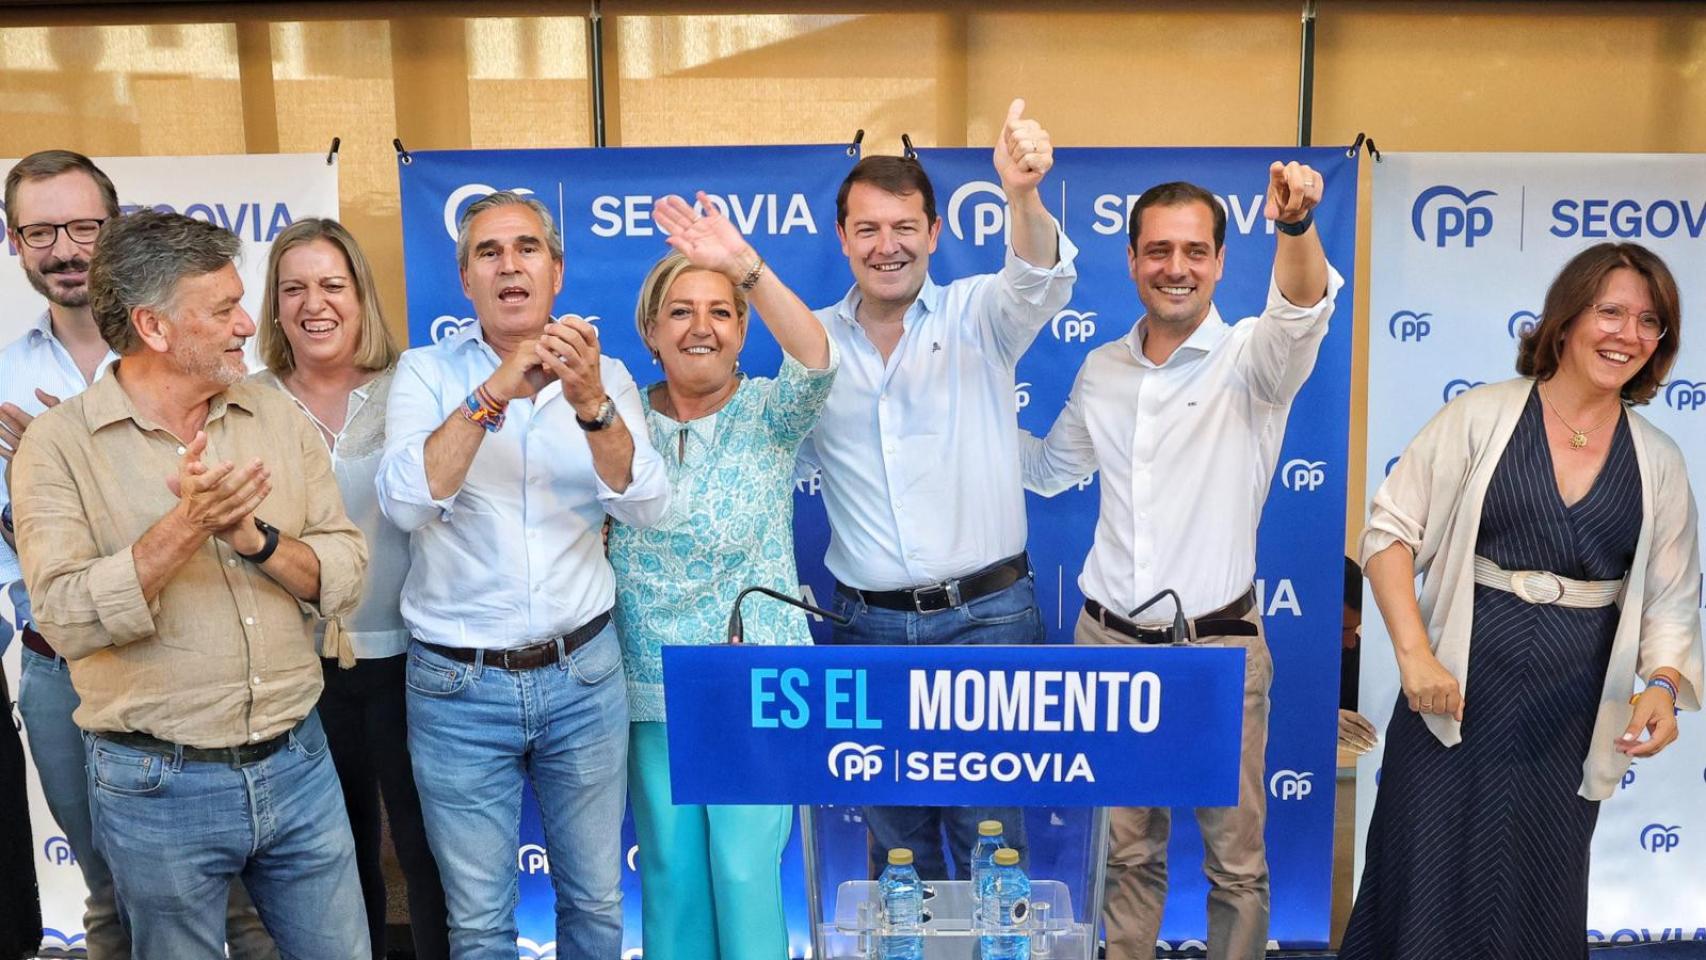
988, 219
855, 761
1408, 325
446, 325
634, 858
58, 852
1390, 464
531, 859
1290, 785
1073, 326
526, 949
1461, 218
1456, 388
1303, 475
1685, 395
1658, 838
810, 486
465, 193
1628, 776
1521, 322
1022, 394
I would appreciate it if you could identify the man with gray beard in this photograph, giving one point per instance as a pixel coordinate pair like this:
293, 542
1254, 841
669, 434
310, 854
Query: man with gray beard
180, 531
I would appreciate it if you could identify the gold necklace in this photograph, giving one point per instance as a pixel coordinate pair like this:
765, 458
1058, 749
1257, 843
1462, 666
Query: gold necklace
1578, 438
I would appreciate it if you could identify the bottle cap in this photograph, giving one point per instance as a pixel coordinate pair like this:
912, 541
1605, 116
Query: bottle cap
902, 857
1004, 857
989, 828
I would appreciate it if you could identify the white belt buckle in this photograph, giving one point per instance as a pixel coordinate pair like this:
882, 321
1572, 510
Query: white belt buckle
1524, 581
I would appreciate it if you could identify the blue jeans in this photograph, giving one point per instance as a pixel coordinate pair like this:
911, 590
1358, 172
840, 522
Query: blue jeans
178, 832
1007, 616
46, 701
477, 734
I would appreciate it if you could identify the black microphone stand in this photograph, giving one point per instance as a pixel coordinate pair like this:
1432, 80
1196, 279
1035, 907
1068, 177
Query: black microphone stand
1181, 632
737, 627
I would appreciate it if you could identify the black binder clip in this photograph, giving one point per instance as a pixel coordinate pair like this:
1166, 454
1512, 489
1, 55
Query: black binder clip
1356, 145
332, 154
402, 155
1374, 151
906, 147
858, 138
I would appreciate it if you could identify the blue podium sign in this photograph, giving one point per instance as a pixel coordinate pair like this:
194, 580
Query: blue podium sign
967, 725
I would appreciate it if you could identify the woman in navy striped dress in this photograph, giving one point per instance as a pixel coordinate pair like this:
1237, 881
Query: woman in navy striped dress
1558, 538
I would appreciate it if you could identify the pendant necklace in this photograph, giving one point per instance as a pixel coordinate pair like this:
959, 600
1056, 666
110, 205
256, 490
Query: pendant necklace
1578, 438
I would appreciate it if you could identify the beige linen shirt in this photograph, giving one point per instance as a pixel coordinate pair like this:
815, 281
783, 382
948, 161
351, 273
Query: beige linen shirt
223, 655
1431, 503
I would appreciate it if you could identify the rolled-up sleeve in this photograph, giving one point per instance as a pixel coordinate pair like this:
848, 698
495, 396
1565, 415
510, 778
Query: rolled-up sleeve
412, 414
797, 397
1670, 613
1068, 455
1282, 351
646, 498
1023, 297
328, 530
81, 599
1438, 456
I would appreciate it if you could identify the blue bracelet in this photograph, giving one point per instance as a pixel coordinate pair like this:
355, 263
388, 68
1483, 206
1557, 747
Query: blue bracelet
1671, 688
1296, 228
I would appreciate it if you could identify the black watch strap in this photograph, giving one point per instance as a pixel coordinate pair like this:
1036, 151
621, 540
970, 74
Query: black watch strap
266, 551
606, 416
1296, 228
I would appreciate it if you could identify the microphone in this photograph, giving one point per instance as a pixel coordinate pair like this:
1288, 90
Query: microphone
737, 627
1180, 631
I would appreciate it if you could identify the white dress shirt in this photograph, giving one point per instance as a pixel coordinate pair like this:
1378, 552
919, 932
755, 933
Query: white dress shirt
1186, 449
920, 455
515, 555
36, 360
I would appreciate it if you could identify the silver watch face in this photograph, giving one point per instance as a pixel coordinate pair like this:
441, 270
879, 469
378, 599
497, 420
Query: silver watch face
607, 412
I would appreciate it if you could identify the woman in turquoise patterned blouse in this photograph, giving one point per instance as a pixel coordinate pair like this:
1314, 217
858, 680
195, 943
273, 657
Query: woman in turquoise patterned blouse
711, 875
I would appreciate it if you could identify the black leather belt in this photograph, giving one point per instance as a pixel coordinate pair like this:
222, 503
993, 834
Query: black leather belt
949, 593
238, 756
1228, 621
36, 643
531, 657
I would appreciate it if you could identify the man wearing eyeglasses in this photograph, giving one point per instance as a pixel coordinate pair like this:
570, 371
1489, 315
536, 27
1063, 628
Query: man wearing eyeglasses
56, 204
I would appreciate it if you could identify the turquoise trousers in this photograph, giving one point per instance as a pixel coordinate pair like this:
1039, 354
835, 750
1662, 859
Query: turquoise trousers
710, 876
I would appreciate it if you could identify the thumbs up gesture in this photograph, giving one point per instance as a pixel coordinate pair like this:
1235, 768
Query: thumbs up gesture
1293, 190
1023, 153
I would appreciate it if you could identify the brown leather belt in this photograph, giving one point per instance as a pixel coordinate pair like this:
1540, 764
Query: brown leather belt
1228, 621
949, 593
531, 657
240, 755
36, 643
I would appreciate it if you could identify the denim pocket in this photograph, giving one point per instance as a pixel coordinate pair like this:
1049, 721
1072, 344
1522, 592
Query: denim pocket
433, 679
1015, 605
596, 659
127, 772
310, 737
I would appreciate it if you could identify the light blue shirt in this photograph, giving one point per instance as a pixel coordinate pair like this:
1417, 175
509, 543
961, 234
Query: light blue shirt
35, 360
920, 455
516, 554
730, 525
376, 627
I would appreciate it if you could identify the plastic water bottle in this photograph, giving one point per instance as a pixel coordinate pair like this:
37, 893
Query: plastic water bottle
1006, 905
989, 840
902, 923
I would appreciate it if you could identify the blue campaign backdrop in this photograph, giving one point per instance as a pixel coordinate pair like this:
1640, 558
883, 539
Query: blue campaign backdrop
783, 197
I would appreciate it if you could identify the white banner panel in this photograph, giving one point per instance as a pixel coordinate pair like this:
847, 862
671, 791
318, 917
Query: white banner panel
253, 196
1464, 247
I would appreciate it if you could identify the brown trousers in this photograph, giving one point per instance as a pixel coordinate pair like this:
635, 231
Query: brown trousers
1234, 855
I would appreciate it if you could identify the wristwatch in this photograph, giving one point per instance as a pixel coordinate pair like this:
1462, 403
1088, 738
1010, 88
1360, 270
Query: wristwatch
266, 551
1296, 228
606, 417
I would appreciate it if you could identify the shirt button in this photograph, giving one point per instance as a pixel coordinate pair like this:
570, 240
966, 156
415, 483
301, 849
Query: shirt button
181, 450
248, 621
254, 736
1143, 516
255, 680
1143, 564
231, 561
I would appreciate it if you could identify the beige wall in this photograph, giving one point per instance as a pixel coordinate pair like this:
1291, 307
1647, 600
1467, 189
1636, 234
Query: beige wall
229, 77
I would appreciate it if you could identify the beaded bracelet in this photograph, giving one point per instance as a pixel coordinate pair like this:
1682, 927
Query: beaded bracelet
1664, 684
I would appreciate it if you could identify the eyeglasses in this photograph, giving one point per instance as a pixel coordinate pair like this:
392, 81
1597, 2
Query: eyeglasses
1610, 318
42, 235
